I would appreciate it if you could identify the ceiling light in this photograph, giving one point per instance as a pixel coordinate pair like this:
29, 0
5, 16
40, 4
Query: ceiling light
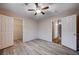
38, 11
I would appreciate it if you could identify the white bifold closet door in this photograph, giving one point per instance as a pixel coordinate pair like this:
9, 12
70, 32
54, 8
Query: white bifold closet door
69, 32
6, 31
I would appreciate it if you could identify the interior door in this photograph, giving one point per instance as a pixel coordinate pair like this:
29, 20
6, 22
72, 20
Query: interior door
7, 31
69, 32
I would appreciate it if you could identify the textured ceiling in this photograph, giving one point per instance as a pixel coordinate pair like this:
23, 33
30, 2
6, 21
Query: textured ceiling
55, 9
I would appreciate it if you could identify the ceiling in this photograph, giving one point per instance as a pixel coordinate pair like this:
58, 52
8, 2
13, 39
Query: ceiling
55, 9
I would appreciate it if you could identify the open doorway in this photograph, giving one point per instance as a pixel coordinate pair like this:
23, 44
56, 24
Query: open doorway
18, 29
56, 31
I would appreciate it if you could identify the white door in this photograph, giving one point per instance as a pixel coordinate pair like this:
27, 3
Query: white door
6, 31
9, 31
69, 32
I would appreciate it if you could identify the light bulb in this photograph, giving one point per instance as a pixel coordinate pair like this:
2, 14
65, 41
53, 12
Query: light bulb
38, 11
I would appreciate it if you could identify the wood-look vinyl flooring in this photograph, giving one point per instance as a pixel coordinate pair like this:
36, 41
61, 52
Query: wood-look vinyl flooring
37, 47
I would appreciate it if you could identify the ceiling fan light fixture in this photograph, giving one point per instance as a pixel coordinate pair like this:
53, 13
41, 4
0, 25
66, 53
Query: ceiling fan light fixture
38, 11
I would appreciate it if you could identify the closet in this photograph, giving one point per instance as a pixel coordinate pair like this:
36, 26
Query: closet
6, 31
18, 29
56, 31
70, 32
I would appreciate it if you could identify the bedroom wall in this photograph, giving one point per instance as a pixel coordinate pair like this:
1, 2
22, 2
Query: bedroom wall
45, 30
29, 30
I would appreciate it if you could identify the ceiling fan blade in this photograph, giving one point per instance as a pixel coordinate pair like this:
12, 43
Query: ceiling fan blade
45, 8
42, 12
36, 4
26, 3
31, 9
35, 14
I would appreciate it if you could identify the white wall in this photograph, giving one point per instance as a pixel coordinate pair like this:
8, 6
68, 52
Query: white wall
45, 30
29, 30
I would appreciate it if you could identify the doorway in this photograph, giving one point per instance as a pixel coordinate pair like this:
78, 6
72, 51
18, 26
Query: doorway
18, 29
56, 31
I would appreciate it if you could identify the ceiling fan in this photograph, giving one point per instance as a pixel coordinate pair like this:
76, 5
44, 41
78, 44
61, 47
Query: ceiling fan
38, 9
